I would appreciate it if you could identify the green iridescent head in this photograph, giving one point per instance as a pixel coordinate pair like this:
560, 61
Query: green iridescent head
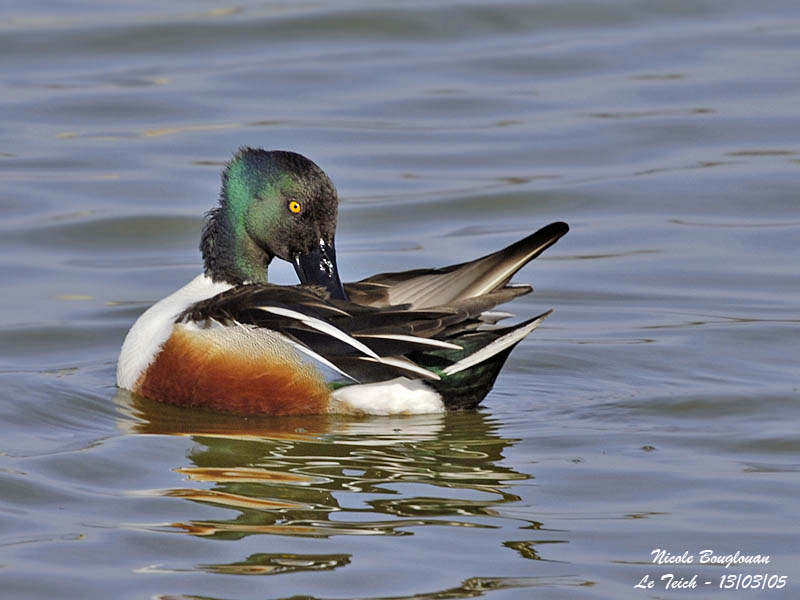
272, 204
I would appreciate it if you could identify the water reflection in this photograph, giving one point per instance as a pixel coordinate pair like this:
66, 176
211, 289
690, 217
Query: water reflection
474, 587
272, 564
298, 476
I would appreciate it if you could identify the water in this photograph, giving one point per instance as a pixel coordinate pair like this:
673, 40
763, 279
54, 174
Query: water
656, 408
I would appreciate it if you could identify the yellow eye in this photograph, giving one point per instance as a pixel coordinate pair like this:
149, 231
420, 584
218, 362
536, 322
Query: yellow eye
294, 206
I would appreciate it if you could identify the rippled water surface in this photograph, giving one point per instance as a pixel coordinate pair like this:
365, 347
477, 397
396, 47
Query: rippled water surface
656, 408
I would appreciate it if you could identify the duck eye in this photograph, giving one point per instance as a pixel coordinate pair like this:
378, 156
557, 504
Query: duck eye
295, 207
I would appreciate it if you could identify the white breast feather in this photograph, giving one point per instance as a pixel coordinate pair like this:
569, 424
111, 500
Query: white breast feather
154, 327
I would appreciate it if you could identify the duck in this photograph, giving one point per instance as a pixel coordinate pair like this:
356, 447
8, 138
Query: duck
411, 342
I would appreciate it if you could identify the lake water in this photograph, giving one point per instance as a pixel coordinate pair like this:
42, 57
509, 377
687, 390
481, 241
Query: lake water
657, 408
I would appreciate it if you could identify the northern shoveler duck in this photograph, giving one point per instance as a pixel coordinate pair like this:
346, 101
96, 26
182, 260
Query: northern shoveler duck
411, 342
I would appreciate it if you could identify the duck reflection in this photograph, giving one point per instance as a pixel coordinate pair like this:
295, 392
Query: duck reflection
328, 476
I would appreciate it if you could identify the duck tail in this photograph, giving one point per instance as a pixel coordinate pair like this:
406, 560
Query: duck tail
467, 375
495, 270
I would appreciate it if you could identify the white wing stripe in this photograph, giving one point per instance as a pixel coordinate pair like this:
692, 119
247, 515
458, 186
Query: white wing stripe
410, 338
495, 347
405, 364
320, 326
322, 359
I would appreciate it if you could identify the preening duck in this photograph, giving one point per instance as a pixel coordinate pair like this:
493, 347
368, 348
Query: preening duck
410, 342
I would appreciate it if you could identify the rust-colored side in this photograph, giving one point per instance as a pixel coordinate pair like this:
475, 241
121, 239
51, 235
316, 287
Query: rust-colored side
190, 372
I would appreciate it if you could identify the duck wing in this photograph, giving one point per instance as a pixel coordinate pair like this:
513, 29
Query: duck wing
361, 343
423, 288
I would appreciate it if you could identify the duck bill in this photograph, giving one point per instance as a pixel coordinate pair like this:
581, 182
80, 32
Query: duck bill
318, 267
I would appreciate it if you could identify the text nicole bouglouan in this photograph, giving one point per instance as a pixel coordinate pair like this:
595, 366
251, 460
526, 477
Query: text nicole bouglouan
686, 571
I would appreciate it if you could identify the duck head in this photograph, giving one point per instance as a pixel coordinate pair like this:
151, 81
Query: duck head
273, 204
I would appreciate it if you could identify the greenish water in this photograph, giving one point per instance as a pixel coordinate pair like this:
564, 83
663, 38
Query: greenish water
656, 408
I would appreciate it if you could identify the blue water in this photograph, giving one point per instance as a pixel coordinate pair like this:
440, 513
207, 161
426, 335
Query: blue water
656, 408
